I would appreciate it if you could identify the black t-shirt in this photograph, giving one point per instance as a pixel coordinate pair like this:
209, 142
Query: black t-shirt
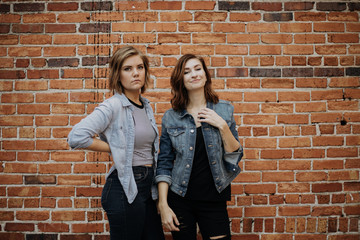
201, 184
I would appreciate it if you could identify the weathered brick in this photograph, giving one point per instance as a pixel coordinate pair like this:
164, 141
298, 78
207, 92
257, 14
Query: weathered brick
94, 27
229, 6
29, 7
97, 6
63, 62
71, 6
278, 17
330, 6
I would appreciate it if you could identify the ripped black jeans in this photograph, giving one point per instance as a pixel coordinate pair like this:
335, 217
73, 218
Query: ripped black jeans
138, 220
211, 216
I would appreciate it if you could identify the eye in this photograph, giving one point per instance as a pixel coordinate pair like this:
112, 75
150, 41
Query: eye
127, 69
186, 72
198, 69
140, 67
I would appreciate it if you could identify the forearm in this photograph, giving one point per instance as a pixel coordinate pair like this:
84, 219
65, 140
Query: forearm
163, 188
230, 142
99, 146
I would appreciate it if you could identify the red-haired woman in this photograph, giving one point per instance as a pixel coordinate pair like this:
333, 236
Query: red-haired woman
199, 155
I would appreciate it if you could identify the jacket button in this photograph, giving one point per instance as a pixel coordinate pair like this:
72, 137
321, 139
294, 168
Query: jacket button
213, 162
187, 165
183, 182
180, 192
191, 148
192, 131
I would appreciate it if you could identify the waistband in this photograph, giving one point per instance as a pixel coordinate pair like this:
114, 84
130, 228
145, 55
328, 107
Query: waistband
115, 173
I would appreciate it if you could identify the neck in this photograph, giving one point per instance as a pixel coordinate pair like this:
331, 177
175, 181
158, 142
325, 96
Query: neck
197, 99
133, 96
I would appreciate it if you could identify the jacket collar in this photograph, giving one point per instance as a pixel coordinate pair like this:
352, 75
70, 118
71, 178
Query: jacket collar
125, 101
183, 112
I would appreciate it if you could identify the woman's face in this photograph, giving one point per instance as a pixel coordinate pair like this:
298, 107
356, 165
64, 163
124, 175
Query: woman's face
132, 75
194, 75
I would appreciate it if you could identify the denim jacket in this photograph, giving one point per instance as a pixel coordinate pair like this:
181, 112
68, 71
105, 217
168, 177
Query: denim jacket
113, 121
177, 146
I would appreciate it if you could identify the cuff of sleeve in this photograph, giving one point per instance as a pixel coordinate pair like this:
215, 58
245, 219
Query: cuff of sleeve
233, 157
163, 178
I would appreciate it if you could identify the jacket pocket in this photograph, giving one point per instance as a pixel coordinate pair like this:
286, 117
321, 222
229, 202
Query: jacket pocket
177, 136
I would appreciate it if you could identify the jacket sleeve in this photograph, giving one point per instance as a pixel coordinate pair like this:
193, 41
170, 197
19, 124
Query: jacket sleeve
166, 157
233, 158
81, 136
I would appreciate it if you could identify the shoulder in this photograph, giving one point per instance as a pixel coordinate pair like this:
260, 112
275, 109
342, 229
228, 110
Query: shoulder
223, 104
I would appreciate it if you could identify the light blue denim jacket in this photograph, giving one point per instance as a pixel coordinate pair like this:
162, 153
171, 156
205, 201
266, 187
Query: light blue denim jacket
113, 121
177, 147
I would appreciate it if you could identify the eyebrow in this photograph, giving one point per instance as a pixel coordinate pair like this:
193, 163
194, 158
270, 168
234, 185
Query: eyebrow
197, 65
124, 66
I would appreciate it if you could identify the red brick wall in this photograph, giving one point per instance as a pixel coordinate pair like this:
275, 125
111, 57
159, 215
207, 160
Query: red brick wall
291, 70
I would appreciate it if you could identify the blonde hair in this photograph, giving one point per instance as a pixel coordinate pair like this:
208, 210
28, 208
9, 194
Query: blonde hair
116, 63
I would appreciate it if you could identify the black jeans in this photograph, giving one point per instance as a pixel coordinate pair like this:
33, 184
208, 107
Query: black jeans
211, 216
138, 220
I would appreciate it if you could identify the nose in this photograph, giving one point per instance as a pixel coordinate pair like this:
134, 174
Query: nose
135, 72
193, 73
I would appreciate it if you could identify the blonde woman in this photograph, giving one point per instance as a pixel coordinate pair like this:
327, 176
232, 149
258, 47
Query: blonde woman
126, 126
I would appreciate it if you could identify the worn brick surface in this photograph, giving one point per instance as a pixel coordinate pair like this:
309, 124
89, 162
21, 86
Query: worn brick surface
290, 68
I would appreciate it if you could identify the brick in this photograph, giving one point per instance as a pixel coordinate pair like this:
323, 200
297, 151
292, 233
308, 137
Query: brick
325, 117
53, 227
29, 7
277, 108
15, 74
51, 145
246, 108
200, 5
51, 97
131, 5
277, 17
97, 6
73, 17
262, 28
306, 153
265, 50
22, 63
175, 16
142, 17
231, 72
59, 51
330, 6
16, 120
297, 72
24, 191
72, 6
10, 18
276, 38
310, 107
310, 16
277, 83
294, 211
262, 72
39, 18
34, 109
229, 27
23, 227
94, 27
160, 5
352, 71
243, 38
293, 119
9, 40
139, 38
255, 143
60, 28
294, 142
278, 177
209, 16
228, 6
298, 6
